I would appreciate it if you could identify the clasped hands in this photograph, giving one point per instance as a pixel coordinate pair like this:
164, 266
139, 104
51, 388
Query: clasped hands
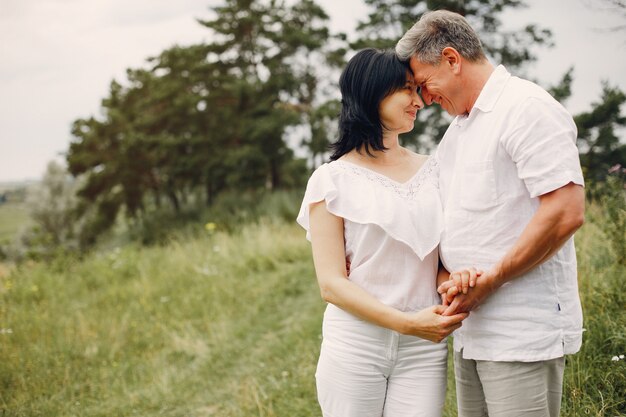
464, 290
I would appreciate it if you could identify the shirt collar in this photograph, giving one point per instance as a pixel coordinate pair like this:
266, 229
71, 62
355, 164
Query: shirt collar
490, 93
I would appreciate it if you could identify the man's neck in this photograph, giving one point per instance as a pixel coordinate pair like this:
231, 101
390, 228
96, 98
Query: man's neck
476, 77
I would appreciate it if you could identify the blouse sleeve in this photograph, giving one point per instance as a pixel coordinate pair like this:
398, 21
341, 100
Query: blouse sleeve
320, 187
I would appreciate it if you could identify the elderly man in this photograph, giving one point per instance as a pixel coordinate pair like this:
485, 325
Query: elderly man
512, 191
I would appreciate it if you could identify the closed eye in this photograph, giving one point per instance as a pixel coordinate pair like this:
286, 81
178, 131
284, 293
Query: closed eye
413, 87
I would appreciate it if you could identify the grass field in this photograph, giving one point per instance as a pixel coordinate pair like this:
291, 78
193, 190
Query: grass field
226, 325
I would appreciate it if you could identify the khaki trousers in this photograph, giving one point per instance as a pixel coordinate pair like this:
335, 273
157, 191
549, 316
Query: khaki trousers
508, 389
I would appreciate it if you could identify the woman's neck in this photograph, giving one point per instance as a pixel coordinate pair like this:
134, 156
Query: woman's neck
393, 154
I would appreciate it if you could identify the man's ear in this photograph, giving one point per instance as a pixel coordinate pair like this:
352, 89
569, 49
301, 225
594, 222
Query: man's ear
451, 58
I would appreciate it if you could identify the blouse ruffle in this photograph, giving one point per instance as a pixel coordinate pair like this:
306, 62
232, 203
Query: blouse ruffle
410, 212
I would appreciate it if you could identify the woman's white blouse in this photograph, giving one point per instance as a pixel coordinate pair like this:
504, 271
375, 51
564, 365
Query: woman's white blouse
391, 229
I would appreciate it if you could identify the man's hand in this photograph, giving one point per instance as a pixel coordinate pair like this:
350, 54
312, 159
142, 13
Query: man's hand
461, 303
460, 282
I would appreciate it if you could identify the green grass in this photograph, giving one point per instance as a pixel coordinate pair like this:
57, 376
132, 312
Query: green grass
13, 217
225, 325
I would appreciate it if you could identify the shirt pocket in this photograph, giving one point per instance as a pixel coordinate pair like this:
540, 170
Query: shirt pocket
478, 186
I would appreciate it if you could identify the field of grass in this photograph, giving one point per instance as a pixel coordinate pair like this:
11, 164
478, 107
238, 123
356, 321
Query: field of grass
226, 325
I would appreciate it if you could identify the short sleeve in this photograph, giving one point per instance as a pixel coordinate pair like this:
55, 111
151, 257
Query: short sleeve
542, 145
319, 187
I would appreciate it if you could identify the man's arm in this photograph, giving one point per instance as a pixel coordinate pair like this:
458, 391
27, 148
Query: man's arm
560, 213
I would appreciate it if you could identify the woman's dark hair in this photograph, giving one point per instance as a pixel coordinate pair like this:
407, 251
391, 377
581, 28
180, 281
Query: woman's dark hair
370, 76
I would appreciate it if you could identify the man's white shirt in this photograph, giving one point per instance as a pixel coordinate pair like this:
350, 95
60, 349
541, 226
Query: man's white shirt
516, 144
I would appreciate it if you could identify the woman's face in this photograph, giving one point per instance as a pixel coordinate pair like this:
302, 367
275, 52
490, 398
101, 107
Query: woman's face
399, 109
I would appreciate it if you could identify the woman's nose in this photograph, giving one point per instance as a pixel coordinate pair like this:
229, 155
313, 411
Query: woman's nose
417, 100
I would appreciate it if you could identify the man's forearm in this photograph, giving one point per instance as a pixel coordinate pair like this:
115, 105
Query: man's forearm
559, 215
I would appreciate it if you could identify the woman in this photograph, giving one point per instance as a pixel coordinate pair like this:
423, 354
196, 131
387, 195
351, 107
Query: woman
376, 205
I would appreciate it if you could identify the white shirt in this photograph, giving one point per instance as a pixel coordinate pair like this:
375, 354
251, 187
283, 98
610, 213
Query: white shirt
391, 229
516, 144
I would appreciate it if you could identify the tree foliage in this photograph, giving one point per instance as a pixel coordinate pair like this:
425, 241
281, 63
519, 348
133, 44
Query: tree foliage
600, 145
52, 205
207, 117
199, 120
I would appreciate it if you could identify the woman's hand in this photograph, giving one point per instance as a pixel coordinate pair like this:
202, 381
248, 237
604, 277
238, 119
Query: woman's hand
429, 323
447, 290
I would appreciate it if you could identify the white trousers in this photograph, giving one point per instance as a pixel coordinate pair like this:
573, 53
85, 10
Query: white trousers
368, 371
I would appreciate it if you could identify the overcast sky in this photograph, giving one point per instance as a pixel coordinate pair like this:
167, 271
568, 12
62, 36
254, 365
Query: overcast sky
57, 58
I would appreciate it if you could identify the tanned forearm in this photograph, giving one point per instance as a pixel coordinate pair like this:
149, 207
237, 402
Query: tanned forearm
559, 215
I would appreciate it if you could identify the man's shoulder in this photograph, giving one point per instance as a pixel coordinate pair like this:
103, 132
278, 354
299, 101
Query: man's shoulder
524, 92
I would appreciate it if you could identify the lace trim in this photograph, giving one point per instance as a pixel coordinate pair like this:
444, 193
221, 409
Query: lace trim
408, 190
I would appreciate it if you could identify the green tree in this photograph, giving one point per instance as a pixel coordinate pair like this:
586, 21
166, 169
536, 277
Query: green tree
563, 90
208, 116
323, 128
110, 154
268, 48
598, 139
52, 206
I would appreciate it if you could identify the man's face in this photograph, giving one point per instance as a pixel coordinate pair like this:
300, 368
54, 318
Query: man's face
439, 84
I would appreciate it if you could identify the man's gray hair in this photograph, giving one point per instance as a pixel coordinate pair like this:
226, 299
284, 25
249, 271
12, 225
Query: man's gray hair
435, 31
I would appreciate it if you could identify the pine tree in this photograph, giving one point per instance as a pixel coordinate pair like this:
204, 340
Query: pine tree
266, 48
598, 141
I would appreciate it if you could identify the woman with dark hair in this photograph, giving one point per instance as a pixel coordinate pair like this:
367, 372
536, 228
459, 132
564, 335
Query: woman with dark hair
376, 205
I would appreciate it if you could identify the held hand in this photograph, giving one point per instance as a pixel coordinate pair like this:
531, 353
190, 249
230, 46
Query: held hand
465, 279
462, 279
447, 290
431, 325
468, 302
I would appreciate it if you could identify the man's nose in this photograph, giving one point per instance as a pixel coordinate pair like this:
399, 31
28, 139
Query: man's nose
427, 97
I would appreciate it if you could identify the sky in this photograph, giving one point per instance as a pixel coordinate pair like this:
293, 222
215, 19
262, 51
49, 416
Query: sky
58, 57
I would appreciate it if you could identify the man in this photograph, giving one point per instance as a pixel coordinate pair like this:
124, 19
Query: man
512, 191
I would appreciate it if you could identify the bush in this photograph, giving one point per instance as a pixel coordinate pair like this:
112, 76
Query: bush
614, 223
229, 212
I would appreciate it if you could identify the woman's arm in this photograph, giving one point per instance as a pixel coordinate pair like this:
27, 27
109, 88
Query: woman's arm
444, 284
330, 266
